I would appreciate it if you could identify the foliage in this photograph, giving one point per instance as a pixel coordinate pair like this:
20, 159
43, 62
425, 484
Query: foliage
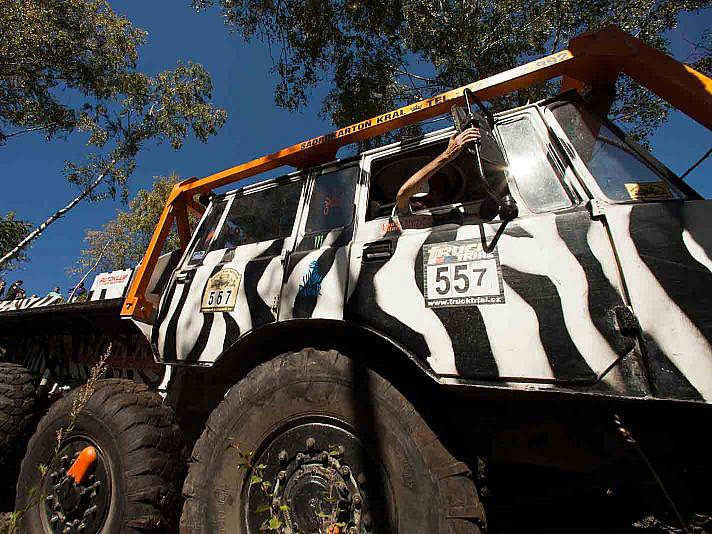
129, 233
12, 230
69, 65
368, 50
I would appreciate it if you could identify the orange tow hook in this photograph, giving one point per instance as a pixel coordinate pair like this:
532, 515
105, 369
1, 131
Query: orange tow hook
81, 466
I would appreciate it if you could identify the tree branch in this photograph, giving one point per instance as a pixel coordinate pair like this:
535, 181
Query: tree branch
28, 130
53, 218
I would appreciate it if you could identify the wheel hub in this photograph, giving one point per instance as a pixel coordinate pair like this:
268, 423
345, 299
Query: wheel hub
310, 478
71, 507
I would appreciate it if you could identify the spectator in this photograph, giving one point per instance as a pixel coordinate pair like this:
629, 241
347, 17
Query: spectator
15, 292
79, 293
2, 287
56, 292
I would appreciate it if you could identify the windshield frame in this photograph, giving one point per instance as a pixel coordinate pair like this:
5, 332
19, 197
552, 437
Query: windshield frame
585, 175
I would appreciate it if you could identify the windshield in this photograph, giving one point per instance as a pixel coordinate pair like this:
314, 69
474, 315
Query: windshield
621, 172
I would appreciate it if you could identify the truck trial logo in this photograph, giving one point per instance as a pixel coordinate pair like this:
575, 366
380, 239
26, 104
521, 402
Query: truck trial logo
220, 293
461, 273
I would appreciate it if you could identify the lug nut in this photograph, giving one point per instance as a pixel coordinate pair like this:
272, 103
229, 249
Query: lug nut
283, 456
358, 501
90, 511
311, 442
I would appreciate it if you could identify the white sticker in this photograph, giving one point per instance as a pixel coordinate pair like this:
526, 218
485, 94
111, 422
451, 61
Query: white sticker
220, 293
461, 273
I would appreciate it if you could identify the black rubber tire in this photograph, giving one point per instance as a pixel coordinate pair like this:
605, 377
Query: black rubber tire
17, 405
137, 433
433, 492
18, 399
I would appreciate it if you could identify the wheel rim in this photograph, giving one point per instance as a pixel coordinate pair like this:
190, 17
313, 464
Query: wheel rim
70, 507
313, 474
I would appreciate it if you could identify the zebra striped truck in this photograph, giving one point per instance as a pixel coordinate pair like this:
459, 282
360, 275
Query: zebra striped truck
533, 340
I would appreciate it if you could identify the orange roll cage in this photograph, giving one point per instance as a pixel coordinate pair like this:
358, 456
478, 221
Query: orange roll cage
592, 59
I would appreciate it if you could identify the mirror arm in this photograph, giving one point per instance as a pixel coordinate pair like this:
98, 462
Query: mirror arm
491, 246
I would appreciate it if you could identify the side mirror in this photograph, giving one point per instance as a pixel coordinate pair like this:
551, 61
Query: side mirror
490, 162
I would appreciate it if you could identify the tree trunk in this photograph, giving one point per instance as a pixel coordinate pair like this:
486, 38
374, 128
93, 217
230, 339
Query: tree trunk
34, 234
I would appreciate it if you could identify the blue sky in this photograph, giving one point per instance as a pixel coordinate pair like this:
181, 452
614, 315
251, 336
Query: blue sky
31, 170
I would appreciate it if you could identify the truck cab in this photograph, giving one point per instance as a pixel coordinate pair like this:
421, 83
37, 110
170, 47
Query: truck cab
581, 291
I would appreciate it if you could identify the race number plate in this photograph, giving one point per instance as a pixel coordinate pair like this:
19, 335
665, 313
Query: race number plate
461, 273
220, 292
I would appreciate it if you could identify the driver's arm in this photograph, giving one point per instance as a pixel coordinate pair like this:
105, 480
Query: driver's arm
454, 147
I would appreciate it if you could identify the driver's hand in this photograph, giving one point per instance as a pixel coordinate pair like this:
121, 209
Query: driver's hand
458, 141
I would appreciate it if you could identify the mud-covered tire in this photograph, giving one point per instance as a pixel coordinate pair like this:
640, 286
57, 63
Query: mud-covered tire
137, 439
431, 491
17, 404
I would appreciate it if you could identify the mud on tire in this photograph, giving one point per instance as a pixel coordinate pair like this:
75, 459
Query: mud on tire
140, 458
319, 396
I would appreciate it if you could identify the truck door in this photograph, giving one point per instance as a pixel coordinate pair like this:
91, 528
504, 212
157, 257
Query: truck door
318, 268
537, 307
661, 231
230, 281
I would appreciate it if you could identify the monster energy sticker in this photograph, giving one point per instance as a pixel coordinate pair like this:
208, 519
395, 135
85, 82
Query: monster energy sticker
461, 273
220, 292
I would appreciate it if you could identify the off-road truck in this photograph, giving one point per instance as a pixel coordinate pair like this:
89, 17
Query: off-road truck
537, 326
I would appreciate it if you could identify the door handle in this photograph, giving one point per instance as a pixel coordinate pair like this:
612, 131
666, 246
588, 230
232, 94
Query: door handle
184, 277
377, 251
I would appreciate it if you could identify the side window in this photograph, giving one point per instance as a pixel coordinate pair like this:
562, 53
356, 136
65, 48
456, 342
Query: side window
206, 231
260, 216
454, 183
537, 181
620, 171
332, 201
